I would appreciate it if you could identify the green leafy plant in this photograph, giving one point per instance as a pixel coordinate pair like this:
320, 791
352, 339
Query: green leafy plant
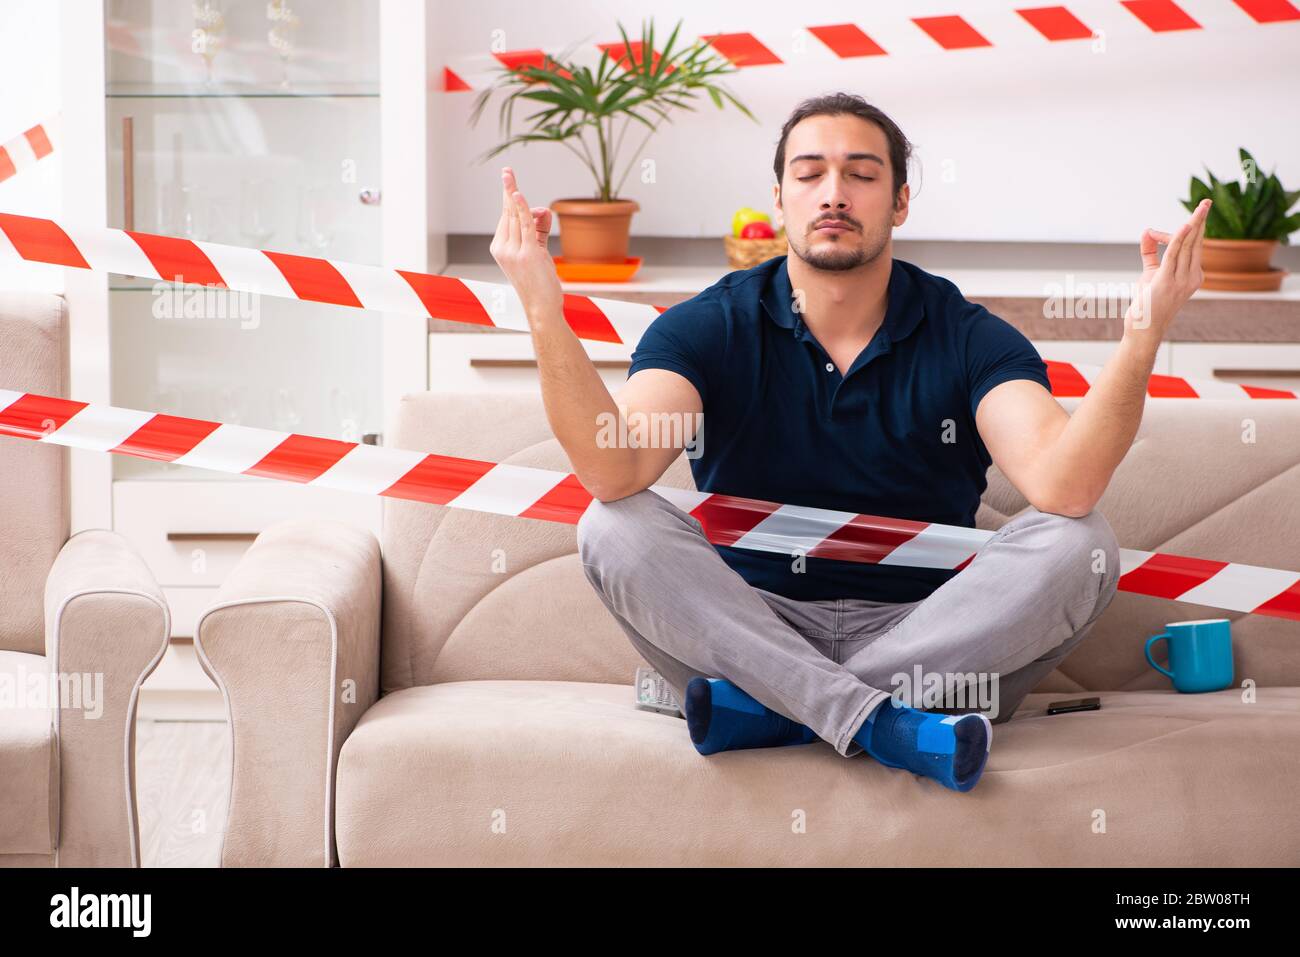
1258, 211
582, 108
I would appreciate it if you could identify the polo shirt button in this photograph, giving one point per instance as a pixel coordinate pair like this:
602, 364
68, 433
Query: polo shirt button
830, 367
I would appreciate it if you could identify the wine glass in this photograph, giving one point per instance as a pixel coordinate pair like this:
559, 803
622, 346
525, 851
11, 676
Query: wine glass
285, 411
284, 25
256, 211
318, 213
229, 402
347, 408
209, 25
185, 210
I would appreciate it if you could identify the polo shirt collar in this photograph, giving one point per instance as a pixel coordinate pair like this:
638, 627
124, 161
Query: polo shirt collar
902, 315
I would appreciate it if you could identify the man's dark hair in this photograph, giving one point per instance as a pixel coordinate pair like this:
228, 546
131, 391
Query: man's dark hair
836, 104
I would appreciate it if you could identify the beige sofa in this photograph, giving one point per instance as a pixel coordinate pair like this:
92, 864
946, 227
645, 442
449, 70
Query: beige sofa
83, 608
506, 732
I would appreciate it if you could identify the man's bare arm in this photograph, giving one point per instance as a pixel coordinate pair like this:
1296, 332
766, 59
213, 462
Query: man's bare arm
1062, 463
581, 412
1059, 462
584, 416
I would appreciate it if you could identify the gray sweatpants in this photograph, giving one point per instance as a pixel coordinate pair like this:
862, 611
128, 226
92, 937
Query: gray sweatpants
990, 633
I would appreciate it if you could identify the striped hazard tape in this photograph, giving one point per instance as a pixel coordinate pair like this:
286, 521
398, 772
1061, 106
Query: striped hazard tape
553, 496
884, 32
26, 149
306, 278
412, 293
1071, 380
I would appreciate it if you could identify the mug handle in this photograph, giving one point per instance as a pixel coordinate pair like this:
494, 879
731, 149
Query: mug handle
1147, 651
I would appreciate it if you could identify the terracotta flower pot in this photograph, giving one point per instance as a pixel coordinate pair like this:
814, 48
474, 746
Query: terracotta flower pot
594, 231
1240, 265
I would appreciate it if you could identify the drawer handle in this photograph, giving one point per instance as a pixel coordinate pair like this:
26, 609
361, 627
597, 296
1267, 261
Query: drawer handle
211, 536
1258, 373
532, 363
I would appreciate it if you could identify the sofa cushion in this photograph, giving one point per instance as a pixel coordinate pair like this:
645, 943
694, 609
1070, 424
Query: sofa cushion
29, 769
34, 512
475, 595
1207, 478
571, 773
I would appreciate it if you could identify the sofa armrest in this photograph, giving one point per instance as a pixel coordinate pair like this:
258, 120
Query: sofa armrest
292, 641
106, 628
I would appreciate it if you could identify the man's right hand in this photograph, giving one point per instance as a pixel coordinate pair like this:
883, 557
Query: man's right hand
519, 247
573, 393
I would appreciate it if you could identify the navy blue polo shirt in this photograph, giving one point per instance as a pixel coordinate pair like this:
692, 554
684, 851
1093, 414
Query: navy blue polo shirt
895, 436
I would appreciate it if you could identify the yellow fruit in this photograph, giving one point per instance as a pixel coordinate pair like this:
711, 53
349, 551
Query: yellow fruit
745, 215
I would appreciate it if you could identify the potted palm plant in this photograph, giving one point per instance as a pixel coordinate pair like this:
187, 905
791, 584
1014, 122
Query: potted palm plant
590, 112
1244, 227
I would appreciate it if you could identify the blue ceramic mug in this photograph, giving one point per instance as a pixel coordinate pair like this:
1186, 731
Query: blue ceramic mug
1200, 654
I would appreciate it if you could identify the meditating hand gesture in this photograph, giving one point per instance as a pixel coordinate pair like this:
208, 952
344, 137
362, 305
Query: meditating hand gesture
519, 247
1166, 284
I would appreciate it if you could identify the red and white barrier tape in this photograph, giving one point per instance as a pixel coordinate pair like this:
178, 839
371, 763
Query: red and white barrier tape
416, 294
885, 33
26, 149
553, 496
1071, 380
306, 278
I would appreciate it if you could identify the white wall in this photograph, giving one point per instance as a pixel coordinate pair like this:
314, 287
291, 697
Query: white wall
30, 94
1028, 140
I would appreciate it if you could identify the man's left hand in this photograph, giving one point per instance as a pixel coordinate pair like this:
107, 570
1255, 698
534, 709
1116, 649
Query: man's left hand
1166, 284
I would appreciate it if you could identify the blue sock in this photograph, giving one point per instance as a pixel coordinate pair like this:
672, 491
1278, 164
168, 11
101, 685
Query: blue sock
951, 748
722, 717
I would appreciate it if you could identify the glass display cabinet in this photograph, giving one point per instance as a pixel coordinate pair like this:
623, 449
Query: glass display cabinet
253, 124
297, 126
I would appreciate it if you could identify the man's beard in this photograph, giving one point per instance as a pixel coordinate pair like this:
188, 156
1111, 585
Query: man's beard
834, 257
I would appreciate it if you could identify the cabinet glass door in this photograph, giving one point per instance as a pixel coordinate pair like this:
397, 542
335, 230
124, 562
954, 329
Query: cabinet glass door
256, 124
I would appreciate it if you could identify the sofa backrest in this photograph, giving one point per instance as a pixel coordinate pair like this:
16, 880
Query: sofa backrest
472, 595
34, 508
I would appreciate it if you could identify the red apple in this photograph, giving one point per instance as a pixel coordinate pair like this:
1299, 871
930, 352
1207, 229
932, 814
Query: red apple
757, 230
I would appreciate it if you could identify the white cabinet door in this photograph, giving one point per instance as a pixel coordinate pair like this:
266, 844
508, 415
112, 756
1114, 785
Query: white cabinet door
1269, 365
186, 605
191, 534
179, 690
247, 149
505, 362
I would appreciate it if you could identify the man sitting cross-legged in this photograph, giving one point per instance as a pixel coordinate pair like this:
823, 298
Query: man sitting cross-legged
839, 377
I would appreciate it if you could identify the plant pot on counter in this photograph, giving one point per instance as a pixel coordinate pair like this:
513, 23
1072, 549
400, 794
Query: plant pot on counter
1240, 265
594, 231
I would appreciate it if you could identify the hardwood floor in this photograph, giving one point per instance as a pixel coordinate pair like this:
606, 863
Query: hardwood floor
182, 790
